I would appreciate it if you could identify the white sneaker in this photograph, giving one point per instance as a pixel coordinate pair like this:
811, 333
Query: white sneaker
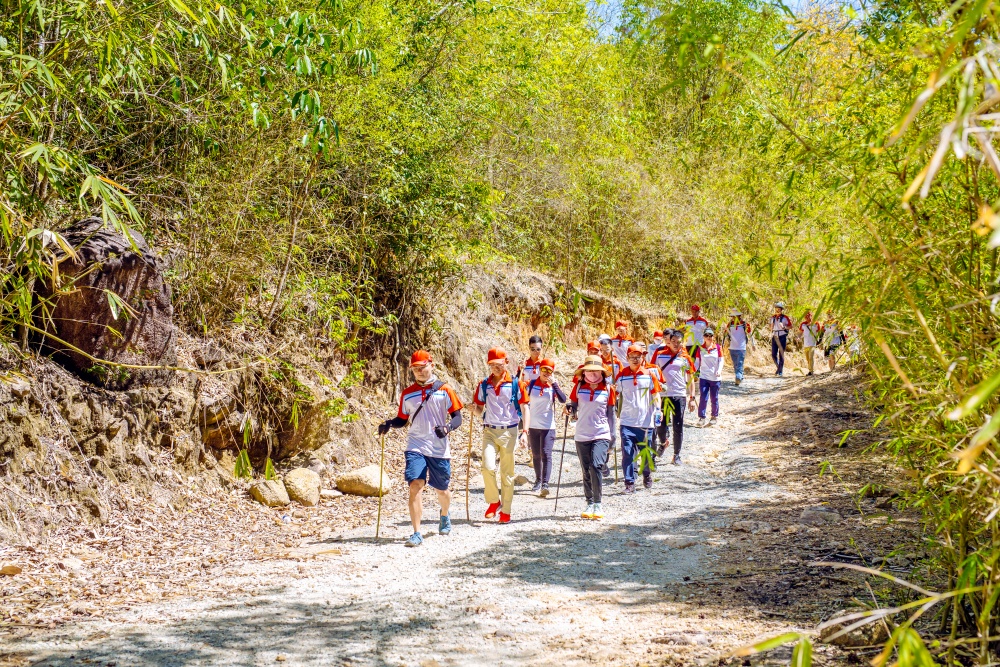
713, 421
589, 512
701, 423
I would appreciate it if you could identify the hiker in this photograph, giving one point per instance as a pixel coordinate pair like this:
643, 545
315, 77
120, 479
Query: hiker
620, 343
542, 394
780, 326
852, 338
737, 333
432, 410
708, 362
638, 389
657, 344
531, 367
608, 356
833, 339
811, 333
678, 372
503, 402
592, 406
694, 328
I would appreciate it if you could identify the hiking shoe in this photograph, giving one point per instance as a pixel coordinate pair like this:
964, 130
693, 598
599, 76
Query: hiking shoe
491, 511
713, 421
544, 493
596, 512
647, 481
537, 487
701, 422
445, 526
415, 540
589, 512
660, 449
738, 381
677, 460
629, 488
605, 470
504, 518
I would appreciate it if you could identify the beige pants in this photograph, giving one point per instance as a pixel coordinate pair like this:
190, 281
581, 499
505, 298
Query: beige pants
502, 442
810, 357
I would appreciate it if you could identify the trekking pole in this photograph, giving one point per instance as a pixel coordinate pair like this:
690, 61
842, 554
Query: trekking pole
381, 486
561, 457
468, 472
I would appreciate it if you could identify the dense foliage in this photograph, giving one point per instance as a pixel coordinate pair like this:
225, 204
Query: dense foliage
316, 163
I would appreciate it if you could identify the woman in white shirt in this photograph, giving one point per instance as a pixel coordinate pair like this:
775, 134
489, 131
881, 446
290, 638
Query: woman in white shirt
738, 332
708, 362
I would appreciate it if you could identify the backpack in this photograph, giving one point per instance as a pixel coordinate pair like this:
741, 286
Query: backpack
515, 393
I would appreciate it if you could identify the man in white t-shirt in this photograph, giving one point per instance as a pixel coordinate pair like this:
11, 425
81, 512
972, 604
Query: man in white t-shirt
810, 332
432, 410
737, 334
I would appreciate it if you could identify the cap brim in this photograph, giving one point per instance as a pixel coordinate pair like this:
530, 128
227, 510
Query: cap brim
421, 364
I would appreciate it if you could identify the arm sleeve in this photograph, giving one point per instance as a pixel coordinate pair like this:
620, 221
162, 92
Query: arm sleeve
613, 421
398, 422
557, 390
456, 419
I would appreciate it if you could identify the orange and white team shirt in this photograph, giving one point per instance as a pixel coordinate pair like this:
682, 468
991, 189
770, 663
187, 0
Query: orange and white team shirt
612, 363
436, 412
639, 391
619, 346
592, 411
676, 368
497, 399
810, 333
708, 362
694, 330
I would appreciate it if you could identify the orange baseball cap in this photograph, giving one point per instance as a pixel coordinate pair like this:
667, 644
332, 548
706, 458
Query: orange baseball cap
496, 354
621, 323
634, 348
695, 306
593, 346
657, 334
548, 363
421, 358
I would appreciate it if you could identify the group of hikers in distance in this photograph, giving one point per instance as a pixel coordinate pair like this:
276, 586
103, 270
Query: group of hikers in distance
624, 393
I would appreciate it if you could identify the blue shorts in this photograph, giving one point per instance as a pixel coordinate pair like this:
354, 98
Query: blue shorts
420, 467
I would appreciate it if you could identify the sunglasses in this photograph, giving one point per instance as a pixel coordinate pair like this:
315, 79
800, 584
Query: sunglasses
535, 349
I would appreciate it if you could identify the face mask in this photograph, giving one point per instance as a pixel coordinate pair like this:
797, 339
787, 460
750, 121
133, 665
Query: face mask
593, 377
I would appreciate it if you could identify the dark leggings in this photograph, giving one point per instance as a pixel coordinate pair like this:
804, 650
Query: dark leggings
679, 405
593, 455
541, 440
779, 342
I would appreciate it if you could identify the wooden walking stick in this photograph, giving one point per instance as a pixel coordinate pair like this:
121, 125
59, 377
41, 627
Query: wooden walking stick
468, 472
381, 486
561, 457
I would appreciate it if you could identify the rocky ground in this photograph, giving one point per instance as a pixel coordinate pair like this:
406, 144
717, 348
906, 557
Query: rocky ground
716, 556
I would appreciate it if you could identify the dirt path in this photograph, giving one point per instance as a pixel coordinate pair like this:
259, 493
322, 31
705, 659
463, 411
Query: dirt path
658, 581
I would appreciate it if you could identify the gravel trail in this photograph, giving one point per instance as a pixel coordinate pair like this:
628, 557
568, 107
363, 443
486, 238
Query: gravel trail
547, 589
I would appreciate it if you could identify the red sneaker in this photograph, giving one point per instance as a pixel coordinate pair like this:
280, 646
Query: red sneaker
504, 518
491, 511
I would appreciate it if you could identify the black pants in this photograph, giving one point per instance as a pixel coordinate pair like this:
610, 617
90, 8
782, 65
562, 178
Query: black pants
541, 440
676, 406
593, 455
779, 342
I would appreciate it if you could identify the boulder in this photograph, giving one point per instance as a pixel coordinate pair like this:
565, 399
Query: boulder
83, 314
819, 516
302, 485
269, 492
322, 427
867, 635
364, 482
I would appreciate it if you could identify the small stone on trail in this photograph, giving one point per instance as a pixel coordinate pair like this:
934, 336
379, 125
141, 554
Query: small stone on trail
302, 485
680, 542
521, 480
819, 516
9, 569
503, 634
269, 492
364, 482
71, 564
280, 658
326, 494
803, 407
